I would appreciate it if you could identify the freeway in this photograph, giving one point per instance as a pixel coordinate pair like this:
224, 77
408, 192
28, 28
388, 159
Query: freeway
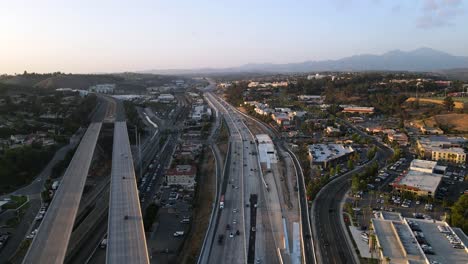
126, 240
50, 243
307, 243
245, 182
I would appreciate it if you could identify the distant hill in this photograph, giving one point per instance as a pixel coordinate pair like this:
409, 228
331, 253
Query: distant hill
54, 81
455, 74
76, 81
421, 60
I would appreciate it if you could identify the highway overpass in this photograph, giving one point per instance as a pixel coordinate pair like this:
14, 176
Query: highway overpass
126, 235
50, 243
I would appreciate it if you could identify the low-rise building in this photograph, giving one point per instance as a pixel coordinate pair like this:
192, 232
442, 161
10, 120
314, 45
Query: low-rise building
200, 112
266, 150
325, 155
311, 99
332, 131
105, 88
408, 240
166, 98
455, 155
358, 109
400, 138
431, 130
442, 148
282, 119
183, 175
423, 178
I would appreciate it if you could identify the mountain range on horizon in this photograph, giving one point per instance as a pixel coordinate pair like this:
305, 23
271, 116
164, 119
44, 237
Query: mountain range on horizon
418, 60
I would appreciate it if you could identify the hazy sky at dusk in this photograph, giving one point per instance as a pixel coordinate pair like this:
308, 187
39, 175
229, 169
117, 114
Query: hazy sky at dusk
110, 36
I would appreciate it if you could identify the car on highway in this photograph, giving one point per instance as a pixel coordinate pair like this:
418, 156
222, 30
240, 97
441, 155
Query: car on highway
231, 235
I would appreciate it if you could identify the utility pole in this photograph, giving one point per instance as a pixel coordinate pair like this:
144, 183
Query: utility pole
139, 153
138, 146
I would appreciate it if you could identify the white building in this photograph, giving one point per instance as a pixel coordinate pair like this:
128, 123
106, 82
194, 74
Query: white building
325, 155
166, 98
316, 76
106, 88
266, 150
200, 112
183, 175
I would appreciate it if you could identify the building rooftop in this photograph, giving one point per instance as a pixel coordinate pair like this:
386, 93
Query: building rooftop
423, 165
397, 241
266, 150
326, 152
419, 180
182, 170
443, 249
451, 150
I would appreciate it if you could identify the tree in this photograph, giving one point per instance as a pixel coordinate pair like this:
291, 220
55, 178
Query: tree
449, 103
459, 215
355, 183
350, 164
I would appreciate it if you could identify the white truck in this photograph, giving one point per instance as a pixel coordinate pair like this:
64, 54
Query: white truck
103, 243
179, 233
55, 185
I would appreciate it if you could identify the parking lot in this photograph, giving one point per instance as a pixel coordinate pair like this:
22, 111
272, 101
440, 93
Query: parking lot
383, 197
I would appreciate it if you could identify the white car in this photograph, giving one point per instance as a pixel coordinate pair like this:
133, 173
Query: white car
231, 235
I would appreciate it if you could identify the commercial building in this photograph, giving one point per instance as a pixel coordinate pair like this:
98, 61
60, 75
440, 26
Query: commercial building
183, 175
442, 148
456, 155
400, 138
423, 178
200, 112
106, 88
166, 98
358, 109
408, 240
316, 99
266, 150
325, 155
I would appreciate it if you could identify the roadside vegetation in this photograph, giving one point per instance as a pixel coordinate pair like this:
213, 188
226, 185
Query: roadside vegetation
20, 165
459, 213
150, 216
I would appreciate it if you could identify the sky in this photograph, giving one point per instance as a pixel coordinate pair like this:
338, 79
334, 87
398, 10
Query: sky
90, 36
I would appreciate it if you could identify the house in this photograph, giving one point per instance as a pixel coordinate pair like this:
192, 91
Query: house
282, 119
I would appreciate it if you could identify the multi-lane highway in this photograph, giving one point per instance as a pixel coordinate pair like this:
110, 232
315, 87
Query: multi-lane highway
255, 241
